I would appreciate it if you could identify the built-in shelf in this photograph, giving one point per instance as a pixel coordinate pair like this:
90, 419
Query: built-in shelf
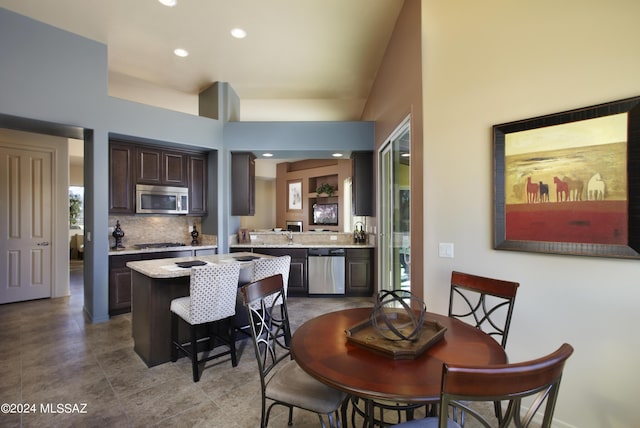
312, 174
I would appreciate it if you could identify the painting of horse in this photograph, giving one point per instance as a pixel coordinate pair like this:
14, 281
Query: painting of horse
562, 190
569, 182
595, 188
599, 215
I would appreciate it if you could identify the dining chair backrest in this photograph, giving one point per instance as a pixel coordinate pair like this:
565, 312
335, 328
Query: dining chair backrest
486, 303
269, 322
213, 290
538, 378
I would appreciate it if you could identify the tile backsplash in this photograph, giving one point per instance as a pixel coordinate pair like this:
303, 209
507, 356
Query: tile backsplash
146, 229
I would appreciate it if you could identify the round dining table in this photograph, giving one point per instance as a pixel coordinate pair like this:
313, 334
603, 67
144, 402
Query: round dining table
321, 348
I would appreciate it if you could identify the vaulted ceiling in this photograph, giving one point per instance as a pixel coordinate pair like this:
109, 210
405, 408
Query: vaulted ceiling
321, 50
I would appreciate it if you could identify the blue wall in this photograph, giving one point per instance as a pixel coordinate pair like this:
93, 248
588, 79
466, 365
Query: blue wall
51, 75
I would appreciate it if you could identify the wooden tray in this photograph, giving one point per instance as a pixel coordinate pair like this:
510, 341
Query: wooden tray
366, 336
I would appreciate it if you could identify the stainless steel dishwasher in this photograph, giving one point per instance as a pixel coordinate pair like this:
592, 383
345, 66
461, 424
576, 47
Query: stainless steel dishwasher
326, 270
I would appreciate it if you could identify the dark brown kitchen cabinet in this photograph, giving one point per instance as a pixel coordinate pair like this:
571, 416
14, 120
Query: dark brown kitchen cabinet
206, 252
362, 197
166, 255
243, 182
160, 167
197, 170
174, 169
359, 272
297, 274
121, 184
120, 283
131, 164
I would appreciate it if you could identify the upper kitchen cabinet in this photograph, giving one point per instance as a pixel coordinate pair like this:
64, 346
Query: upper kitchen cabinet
197, 170
121, 179
160, 167
131, 164
243, 183
362, 197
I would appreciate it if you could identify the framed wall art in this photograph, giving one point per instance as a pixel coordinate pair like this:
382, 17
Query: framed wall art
294, 196
569, 183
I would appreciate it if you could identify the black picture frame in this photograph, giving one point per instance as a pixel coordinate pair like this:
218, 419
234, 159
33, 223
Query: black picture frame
505, 214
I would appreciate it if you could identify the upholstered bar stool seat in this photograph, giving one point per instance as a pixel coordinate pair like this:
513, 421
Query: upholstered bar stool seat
211, 302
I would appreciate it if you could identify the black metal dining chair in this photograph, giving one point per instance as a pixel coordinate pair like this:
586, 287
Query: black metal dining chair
282, 380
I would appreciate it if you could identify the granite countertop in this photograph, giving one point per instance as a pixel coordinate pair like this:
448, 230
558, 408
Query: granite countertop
301, 240
305, 245
133, 250
167, 268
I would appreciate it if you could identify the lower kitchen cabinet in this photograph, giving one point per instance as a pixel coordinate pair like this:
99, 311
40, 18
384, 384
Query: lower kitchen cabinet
358, 269
206, 252
166, 255
297, 275
120, 277
359, 272
120, 283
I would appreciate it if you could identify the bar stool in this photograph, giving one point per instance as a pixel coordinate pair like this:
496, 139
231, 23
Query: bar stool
263, 268
212, 302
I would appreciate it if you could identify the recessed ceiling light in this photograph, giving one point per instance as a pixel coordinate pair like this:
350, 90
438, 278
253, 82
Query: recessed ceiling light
181, 52
238, 33
267, 155
169, 3
337, 155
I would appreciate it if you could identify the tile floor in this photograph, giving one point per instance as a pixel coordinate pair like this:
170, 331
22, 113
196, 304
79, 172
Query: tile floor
51, 356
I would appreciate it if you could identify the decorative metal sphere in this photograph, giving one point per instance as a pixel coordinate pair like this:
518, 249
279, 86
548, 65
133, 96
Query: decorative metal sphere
393, 317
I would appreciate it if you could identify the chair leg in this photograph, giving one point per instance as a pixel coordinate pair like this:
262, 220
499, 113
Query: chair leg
174, 337
232, 340
498, 410
194, 354
343, 410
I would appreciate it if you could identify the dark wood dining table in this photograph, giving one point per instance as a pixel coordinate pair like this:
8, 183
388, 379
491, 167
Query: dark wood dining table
321, 349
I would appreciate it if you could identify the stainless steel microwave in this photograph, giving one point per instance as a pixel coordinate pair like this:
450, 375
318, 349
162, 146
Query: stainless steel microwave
161, 199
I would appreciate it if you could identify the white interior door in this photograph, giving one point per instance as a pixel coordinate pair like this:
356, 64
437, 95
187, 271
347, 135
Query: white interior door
26, 228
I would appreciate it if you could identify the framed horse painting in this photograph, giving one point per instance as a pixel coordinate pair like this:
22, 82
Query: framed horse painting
569, 183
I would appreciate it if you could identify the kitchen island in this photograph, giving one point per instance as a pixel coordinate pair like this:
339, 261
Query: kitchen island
120, 274
155, 283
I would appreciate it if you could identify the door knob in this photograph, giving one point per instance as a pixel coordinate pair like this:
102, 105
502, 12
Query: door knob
43, 244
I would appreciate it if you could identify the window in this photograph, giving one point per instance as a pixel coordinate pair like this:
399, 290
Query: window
76, 207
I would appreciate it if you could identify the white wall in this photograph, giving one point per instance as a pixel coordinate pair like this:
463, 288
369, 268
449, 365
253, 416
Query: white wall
265, 216
492, 62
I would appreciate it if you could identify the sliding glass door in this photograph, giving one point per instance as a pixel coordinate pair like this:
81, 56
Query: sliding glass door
394, 220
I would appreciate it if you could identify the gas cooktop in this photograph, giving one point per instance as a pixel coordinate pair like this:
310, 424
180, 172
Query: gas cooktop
159, 245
